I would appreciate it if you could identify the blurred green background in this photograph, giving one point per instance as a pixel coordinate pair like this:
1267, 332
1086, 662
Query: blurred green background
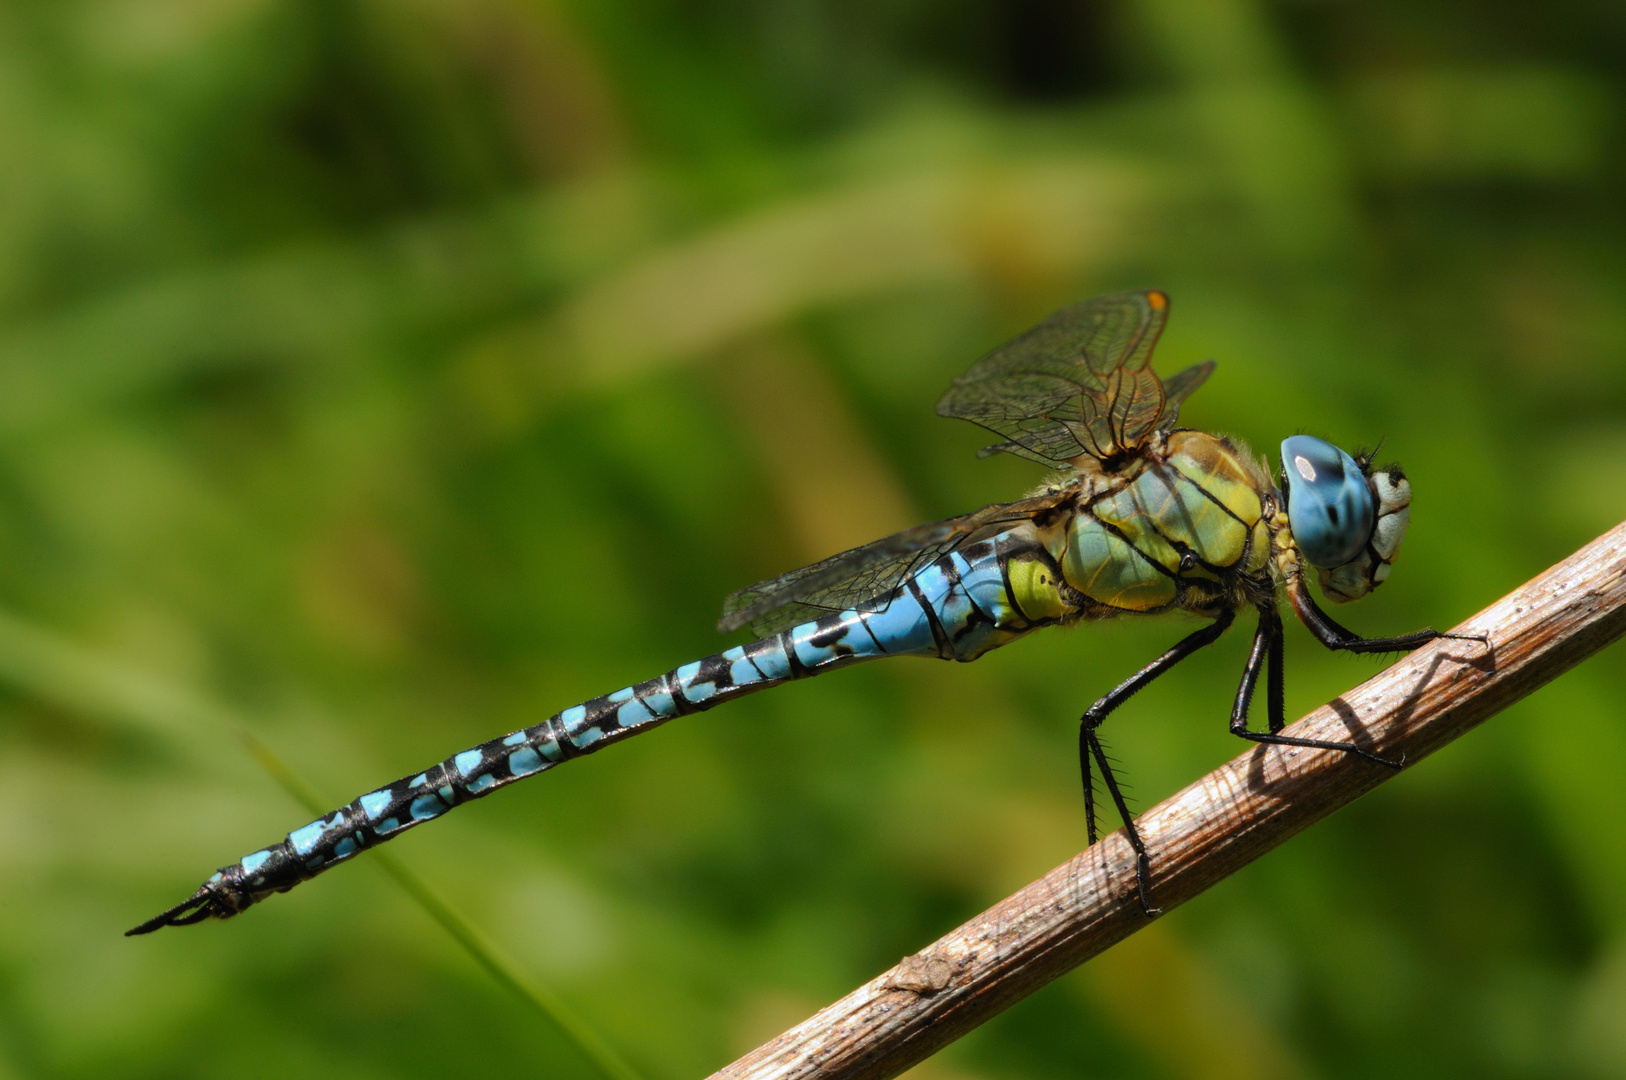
383, 375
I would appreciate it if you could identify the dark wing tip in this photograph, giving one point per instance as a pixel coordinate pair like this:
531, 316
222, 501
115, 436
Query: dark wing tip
743, 607
1180, 386
1197, 374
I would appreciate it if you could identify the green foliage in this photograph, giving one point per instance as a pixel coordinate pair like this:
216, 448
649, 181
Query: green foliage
395, 374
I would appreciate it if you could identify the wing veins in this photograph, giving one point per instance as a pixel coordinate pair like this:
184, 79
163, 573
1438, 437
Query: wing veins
865, 576
1079, 383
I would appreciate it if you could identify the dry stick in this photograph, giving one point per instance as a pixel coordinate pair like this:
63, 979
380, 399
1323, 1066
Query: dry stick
1211, 829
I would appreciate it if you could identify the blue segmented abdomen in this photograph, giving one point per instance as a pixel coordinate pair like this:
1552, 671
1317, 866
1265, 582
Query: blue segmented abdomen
956, 608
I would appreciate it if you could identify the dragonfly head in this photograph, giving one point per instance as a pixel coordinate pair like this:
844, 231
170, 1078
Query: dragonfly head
1347, 519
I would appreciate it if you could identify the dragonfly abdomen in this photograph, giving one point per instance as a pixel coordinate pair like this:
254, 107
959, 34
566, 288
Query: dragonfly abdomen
957, 607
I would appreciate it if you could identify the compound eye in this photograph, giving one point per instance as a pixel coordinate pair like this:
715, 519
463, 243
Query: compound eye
1329, 505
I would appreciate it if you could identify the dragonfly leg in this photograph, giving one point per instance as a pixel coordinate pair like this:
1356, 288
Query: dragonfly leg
1143, 864
1267, 651
1341, 638
1275, 692
1089, 743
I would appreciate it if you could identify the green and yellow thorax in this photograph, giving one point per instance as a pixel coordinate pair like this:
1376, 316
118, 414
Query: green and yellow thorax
1182, 525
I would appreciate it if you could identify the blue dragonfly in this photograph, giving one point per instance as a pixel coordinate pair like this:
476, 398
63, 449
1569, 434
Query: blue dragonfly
1141, 517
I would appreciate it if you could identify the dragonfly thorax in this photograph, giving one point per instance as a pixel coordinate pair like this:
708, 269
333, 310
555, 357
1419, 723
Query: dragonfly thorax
1178, 528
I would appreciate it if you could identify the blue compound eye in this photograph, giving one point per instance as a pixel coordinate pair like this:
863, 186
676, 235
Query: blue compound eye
1329, 505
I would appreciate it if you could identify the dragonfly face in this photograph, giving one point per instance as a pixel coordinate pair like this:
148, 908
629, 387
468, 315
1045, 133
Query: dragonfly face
1347, 520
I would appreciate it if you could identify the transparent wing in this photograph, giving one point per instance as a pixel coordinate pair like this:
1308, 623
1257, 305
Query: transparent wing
862, 579
1176, 388
1078, 383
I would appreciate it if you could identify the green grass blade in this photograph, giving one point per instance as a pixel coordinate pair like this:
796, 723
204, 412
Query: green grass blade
81, 681
478, 946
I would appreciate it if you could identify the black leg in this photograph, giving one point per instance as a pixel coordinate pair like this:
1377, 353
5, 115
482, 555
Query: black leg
1336, 637
1276, 694
1267, 644
1143, 865
1089, 744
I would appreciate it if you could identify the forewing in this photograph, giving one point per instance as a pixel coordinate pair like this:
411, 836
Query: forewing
863, 579
1176, 388
1078, 383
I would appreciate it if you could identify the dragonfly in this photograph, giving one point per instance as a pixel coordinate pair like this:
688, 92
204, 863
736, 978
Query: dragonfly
1140, 517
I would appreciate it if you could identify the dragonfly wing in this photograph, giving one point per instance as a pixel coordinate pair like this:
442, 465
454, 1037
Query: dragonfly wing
1078, 383
1016, 449
1176, 388
863, 578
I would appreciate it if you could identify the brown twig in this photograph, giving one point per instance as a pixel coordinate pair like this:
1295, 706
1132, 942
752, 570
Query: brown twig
1214, 827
